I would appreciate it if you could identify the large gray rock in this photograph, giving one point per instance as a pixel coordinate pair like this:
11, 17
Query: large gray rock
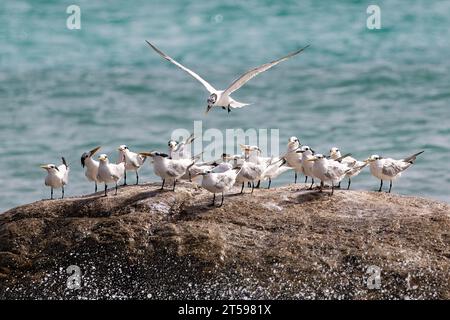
280, 243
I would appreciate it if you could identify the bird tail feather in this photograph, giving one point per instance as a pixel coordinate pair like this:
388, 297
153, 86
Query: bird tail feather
237, 104
413, 157
64, 162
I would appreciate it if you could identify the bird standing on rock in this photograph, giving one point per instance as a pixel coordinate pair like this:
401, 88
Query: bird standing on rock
388, 168
167, 168
91, 165
328, 170
57, 176
109, 172
356, 165
219, 182
133, 161
294, 159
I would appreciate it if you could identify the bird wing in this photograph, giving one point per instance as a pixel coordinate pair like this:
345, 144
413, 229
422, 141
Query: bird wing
133, 159
178, 167
392, 167
208, 87
117, 170
239, 82
64, 169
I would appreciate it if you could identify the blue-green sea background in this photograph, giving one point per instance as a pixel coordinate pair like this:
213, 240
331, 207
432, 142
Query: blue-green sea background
65, 91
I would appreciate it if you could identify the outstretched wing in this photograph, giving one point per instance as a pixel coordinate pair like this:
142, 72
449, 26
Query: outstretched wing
208, 87
239, 82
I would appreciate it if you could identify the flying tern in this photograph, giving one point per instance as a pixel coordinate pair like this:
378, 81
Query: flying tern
91, 165
222, 98
388, 168
57, 176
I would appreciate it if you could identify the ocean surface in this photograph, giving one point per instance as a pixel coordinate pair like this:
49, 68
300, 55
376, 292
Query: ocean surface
63, 92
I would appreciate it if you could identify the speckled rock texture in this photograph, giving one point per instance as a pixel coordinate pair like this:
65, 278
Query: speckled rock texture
282, 243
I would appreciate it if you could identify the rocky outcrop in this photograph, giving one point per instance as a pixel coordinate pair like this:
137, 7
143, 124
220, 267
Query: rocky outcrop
283, 243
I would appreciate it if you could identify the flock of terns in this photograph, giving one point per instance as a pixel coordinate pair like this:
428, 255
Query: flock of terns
219, 176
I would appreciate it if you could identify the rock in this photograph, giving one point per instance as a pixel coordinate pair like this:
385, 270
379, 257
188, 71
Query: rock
282, 243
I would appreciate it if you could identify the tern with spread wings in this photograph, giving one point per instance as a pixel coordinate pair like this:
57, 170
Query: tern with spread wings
222, 98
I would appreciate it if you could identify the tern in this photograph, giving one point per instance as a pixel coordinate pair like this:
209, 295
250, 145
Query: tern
356, 165
293, 158
250, 171
109, 172
307, 166
133, 161
219, 182
388, 168
57, 176
273, 170
328, 170
167, 168
180, 150
91, 165
222, 98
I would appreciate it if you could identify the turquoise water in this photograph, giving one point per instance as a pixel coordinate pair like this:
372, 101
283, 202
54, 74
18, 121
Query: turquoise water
367, 91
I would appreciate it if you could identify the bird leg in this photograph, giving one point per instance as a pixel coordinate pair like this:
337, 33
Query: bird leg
62, 192
270, 181
125, 178
257, 185
349, 183
242, 189
221, 202
321, 186
381, 186
312, 183
51, 193
229, 109
95, 186
214, 200
174, 183
106, 187
162, 187
295, 180
116, 190
390, 186
253, 186
137, 178
332, 188
306, 179
339, 185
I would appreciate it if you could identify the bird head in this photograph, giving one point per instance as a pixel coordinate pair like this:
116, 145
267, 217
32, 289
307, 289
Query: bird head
293, 141
103, 158
372, 158
172, 144
89, 154
211, 101
122, 148
317, 157
84, 156
335, 153
50, 167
